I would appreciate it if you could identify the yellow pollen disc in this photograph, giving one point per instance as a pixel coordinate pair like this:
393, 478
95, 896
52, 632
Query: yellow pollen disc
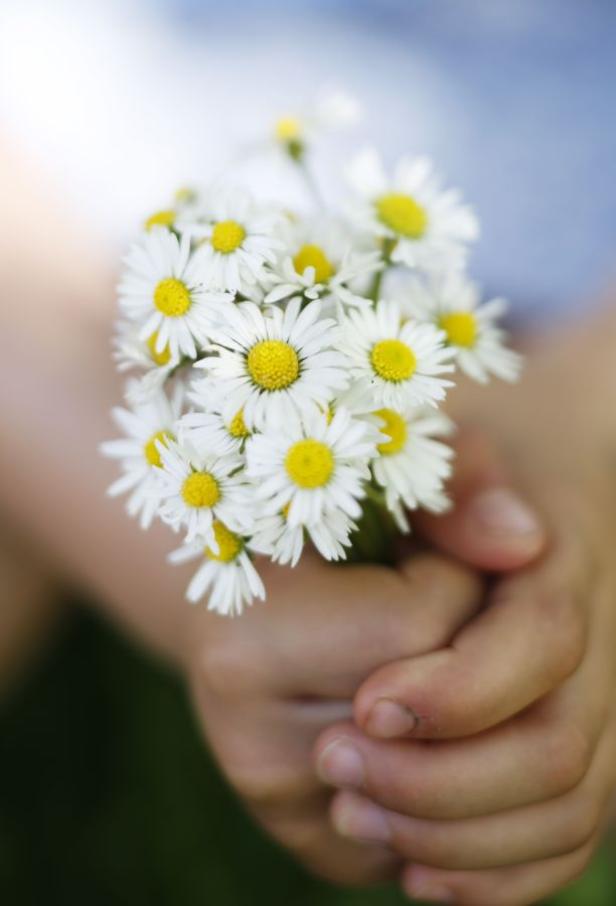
309, 463
200, 490
288, 129
227, 235
229, 544
185, 195
460, 327
394, 426
393, 360
150, 450
237, 427
402, 214
159, 358
314, 256
171, 297
273, 364
160, 218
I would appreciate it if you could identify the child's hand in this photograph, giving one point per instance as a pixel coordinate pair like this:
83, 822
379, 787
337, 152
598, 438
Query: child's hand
265, 685
498, 793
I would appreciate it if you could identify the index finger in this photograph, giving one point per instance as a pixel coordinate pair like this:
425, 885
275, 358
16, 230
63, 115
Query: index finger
529, 638
324, 628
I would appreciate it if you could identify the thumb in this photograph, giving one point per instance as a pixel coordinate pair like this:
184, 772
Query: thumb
490, 526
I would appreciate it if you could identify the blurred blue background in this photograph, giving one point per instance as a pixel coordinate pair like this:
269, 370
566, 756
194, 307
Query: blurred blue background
514, 99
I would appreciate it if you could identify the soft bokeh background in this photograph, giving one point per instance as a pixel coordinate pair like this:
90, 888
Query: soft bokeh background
106, 794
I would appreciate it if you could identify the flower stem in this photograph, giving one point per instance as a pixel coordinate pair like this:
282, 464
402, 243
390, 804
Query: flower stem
372, 542
375, 290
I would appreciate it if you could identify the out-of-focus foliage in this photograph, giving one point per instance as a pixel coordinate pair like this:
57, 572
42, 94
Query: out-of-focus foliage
108, 797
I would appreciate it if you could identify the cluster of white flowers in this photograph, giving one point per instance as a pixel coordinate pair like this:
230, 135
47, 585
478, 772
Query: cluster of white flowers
287, 367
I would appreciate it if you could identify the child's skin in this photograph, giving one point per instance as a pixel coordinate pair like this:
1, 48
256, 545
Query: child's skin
509, 803
265, 686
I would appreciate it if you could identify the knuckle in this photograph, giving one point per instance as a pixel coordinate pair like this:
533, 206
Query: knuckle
440, 850
364, 867
436, 580
268, 789
585, 821
564, 624
568, 754
580, 860
231, 669
422, 797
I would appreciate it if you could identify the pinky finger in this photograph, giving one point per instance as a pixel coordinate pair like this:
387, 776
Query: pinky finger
519, 886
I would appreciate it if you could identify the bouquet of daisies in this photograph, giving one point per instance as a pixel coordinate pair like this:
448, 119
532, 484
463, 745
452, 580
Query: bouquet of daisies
287, 366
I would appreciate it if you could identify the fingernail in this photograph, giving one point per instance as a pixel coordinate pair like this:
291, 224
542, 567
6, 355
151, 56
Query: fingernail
362, 820
340, 764
420, 885
388, 718
501, 512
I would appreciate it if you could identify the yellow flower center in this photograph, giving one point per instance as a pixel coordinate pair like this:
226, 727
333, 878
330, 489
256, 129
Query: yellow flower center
229, 544
288, 129
309, 463
394, 426
184, 195
402, 214
393, 360
172, 298
460, 327
151, 451
160, 218
227, 235
200, 490
159, 358
273, 364
237, 427
314, 256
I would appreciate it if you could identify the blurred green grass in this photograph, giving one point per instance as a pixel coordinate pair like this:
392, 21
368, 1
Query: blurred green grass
108, 797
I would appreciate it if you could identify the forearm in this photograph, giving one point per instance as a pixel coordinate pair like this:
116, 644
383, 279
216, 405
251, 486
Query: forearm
568, 379
56, 388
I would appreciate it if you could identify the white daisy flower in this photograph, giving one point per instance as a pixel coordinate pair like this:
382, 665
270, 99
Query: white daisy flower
453, 303
163, 291
321, 262
131, 352
163, 217
421, 225
313, 466
275, 538
197, 487
147, 428
226, 572
211, 431
333, 109
411, 465
394, 363
236, 238
337, 108
274, 364
284, 543
184, 205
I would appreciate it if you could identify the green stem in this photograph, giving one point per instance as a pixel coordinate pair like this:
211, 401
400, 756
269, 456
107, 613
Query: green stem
375, 290
372, 542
